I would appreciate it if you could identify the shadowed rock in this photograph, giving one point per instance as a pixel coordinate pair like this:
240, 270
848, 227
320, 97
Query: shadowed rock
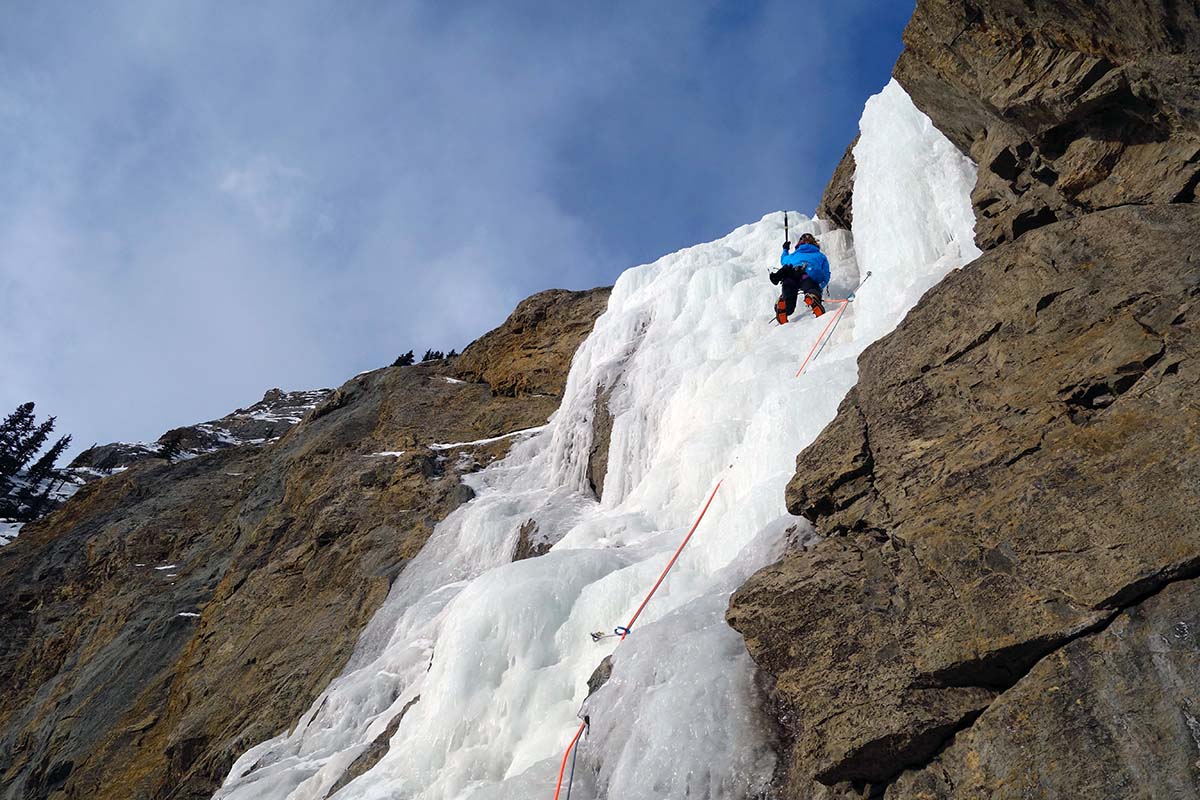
836, 204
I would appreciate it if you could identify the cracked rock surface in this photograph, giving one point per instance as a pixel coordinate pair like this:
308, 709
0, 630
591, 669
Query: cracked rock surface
1068, 106
1019, 462
1131, 691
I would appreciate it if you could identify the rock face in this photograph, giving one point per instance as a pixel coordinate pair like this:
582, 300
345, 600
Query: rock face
1133, 689
1068, 106
1004, 604
170, 616
1018, 462
531, 352
263, 422
836, 204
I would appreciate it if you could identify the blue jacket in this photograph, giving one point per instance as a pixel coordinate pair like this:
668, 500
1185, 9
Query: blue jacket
811, 260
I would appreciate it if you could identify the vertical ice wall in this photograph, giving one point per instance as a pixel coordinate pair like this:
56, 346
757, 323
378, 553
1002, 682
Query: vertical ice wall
487, 660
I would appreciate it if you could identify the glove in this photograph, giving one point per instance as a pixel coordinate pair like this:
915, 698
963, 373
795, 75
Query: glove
786, 245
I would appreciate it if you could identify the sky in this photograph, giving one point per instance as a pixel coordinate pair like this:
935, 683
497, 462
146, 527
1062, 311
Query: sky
201, 201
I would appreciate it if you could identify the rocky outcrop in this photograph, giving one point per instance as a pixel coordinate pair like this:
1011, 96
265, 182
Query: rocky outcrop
1068, 106
1016, 466
602, 425
263, 422
837, 204
375, 751
529, 543
531, 352
174, 614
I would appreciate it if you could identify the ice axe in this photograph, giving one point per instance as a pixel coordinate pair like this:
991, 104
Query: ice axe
786, 236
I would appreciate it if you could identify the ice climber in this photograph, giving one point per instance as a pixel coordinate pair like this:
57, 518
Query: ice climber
805, 269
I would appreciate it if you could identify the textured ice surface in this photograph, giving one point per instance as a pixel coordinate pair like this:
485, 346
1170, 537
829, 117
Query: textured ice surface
700, 383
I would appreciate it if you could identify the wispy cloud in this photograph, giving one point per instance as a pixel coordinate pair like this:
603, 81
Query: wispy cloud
199, 202
275, 194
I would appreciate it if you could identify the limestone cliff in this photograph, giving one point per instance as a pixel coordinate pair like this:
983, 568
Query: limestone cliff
1005, 600
170, 616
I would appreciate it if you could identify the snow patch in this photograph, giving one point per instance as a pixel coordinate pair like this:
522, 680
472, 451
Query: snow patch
453, 445
9, 531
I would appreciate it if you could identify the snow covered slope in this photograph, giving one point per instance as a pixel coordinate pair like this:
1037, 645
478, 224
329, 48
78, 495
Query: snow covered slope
475, 667
9, 531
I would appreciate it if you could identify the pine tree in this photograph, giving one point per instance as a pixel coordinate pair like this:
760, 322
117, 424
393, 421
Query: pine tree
24, 494
42, 479
405, 360
34, 442
13, 430
452, 354
43, 468
432, 355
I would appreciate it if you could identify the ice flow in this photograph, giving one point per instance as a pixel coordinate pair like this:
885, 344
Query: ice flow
474, 668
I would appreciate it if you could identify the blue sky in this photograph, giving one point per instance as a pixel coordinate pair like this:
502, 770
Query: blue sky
200, 201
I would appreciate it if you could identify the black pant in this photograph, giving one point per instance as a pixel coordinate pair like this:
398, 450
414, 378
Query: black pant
791, 290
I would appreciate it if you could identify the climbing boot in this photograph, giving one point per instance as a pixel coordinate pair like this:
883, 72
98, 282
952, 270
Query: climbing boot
814, 302
781, 311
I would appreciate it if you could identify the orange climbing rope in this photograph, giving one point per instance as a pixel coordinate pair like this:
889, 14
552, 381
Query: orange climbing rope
625, 630
828, 325
836, 316
566, 755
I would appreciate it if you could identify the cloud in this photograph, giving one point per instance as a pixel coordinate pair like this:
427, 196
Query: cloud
198, 203
273, 193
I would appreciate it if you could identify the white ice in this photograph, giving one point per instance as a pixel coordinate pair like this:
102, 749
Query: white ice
701, 388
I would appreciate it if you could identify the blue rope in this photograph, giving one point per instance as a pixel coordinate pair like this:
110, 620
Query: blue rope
574, 755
